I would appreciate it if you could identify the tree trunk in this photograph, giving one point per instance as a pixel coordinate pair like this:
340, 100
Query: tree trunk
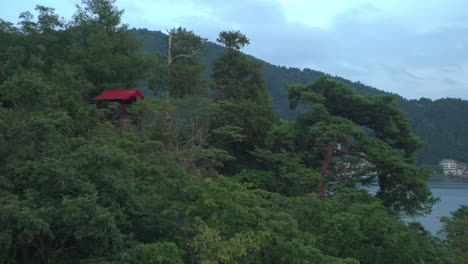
320, 188
168, 114
169, 45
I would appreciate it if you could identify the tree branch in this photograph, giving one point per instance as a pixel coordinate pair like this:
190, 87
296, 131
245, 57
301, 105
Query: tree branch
185, 55
363, 156
357, 154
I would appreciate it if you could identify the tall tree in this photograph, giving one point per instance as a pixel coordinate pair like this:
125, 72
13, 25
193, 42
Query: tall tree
341, 123
184, 68
245, 111
240, 90
106, 52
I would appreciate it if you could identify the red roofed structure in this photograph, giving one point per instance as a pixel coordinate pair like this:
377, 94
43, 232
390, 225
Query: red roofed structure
123, 96
119, 95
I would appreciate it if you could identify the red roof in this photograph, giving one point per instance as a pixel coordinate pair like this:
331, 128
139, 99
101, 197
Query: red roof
119, 94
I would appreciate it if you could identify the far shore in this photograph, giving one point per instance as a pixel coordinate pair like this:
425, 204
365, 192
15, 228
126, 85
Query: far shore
431, 178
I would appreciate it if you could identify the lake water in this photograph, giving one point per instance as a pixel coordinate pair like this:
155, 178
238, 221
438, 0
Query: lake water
452, 193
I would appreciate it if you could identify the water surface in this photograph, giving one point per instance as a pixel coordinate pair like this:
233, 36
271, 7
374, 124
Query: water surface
452, 194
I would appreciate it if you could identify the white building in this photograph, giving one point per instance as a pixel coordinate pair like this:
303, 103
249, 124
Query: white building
449, 166
461, 168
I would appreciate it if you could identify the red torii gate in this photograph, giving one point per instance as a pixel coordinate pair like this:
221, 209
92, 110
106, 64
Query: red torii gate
119, 95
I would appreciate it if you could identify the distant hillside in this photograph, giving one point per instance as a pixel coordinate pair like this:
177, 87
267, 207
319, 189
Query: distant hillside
441, 124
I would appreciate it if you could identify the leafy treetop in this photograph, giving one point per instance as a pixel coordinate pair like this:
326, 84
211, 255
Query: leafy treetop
233, 39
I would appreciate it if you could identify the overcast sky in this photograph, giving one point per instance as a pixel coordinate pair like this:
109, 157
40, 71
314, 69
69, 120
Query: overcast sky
415, 48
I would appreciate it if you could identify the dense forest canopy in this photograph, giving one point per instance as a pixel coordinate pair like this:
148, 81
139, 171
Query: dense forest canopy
204, 171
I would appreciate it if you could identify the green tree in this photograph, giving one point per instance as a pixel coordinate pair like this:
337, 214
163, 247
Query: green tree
369, 127
240, 91
456, 230
106, 53
184, 68
233, 40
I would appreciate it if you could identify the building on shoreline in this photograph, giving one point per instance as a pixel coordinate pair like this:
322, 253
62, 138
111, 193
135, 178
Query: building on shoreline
454, 168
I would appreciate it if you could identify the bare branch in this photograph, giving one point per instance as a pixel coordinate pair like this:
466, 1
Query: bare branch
170, 60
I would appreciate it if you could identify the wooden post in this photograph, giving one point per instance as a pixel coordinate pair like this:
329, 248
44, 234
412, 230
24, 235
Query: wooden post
99, 110
121, 113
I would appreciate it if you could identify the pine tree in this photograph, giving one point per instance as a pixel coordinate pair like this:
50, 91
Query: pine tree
342, 123
240, 90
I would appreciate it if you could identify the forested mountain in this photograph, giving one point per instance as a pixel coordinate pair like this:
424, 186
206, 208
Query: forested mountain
440, 123
206, 172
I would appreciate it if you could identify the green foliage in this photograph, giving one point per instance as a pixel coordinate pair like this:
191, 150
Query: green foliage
185, 78
60, 201
106, 53
210, 247
101, 12
184, 43
252, 120
369, 127
244, 105
456, 230
184, 69
235, 76
354, 224
282, 173
156, 253
233, 40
